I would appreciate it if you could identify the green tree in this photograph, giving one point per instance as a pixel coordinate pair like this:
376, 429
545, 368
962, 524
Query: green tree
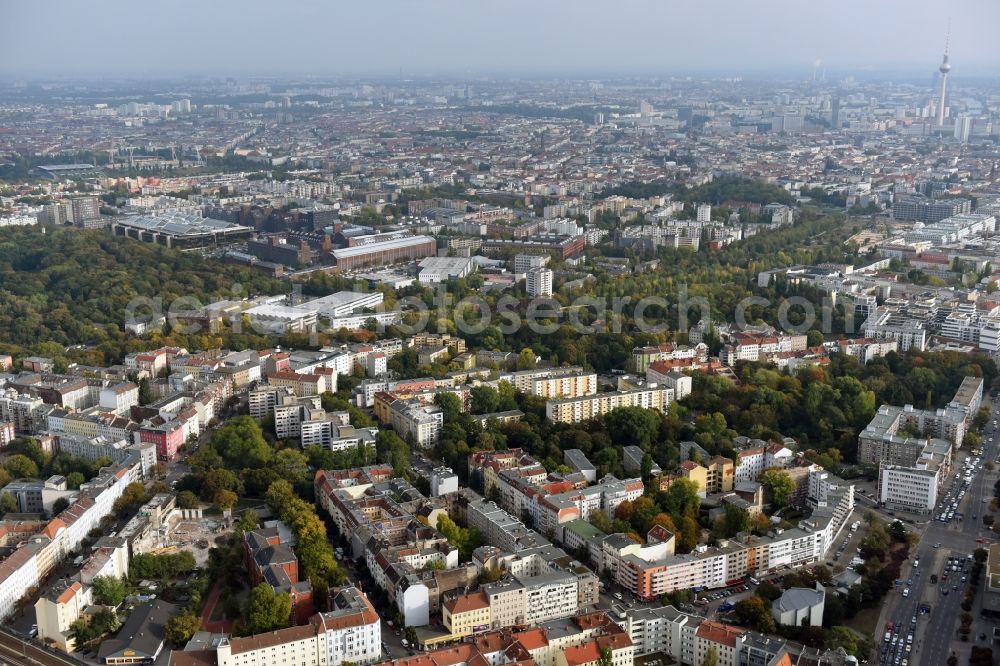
225, 500
681, 499
391, 449
74, 479
102, 623
131, 498
21, 466
161, 566
633, 426
450, 404
778, 485
291, 465
483, 400
109, 590
187, 500
146, 395
241, 443
314, 551
711, 657
526, 360
735, 520
465, 539
249, 521
181, 628
843, 637
8, 504
267, 610
877, 537
59, 506
753, 612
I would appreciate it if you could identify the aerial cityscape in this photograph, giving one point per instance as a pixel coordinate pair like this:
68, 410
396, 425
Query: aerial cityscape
431, 333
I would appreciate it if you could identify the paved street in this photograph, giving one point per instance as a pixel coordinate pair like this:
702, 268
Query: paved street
935, 635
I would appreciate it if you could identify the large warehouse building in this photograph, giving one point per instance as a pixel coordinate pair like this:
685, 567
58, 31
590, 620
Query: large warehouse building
394, 251
180, 230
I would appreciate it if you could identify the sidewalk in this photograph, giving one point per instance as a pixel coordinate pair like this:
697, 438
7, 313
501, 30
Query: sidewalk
207, 624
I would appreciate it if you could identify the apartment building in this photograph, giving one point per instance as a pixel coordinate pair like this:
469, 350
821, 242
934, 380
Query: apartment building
152, 363
115, 448
349, 632
885, 324
167, 436
663, 630
530, 599
118, 398
905, 436
264, 399
726, 640
922, 209
584, 408
416, 423
756, 455
642, 357
538, 282
303, 385
352, 628
454, 344
567, 382
23, 570
715, 476
525, 262
269, 558
58, 608
652, 570
291, 411
330, 432
500, 529
632, 459
750, 346
913, 489
865, 349
466, 614
27, 413
7, 434
663, 373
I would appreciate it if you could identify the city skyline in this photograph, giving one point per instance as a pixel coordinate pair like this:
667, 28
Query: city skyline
446, 36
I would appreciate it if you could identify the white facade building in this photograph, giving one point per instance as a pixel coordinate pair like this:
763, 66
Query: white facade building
539, 282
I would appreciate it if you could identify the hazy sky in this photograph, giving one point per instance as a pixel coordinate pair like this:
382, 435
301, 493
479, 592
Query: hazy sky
162, 37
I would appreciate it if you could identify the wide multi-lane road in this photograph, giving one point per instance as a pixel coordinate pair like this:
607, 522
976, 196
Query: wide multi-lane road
954, 540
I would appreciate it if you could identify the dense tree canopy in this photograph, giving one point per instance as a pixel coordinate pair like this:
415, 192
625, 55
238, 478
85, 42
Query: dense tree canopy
72, 286
266, 610
314, 551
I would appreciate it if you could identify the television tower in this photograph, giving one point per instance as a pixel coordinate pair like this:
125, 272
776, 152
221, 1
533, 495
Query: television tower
944, 69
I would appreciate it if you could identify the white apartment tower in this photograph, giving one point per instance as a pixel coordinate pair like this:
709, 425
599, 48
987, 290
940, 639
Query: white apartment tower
539, 282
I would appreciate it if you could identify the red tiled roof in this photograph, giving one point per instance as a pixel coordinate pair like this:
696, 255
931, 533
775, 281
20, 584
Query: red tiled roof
719, 633
69, 593
467, 602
